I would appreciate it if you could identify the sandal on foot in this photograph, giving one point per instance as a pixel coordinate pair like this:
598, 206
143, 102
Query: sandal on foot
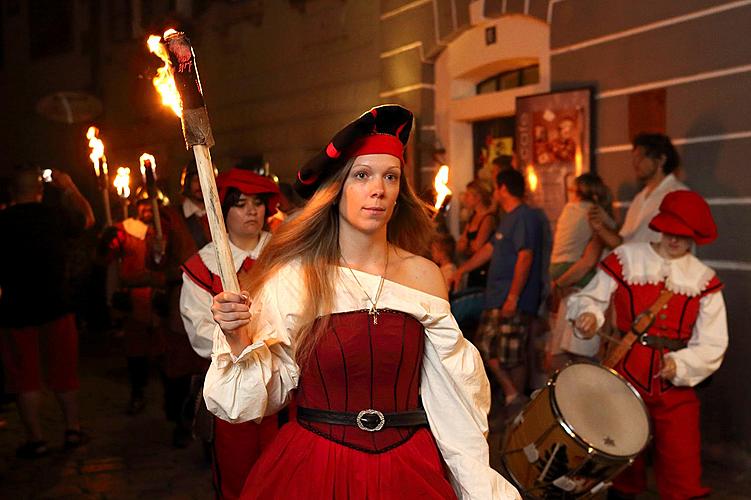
32, 449
74, 439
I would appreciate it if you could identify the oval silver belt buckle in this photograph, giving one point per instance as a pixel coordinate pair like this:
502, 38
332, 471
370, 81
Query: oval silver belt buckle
365, 413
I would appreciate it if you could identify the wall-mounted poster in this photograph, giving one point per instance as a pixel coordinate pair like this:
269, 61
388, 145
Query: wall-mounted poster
553, 144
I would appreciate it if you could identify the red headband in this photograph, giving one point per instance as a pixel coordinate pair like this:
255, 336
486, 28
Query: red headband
378, 144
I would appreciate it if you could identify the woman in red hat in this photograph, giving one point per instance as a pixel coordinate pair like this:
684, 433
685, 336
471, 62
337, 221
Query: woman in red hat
391, 399
684, 344
247, 199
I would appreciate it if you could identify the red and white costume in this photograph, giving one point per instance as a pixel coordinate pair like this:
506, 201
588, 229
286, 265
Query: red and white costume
236, 446
143, 336
416, 346
634, 275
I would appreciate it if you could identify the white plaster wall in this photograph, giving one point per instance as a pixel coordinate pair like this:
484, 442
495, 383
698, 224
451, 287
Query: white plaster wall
466, 61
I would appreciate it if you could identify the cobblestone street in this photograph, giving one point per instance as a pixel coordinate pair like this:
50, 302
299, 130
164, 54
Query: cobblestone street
131, 457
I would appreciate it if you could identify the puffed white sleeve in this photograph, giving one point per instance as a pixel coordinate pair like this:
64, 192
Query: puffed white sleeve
258, 381
705, 350
456, 395
195, 309
594, 298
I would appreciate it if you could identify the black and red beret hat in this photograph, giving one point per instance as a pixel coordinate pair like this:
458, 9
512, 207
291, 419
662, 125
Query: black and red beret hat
383, 129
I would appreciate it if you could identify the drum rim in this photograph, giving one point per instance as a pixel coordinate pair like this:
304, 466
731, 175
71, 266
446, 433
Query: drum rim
558, 414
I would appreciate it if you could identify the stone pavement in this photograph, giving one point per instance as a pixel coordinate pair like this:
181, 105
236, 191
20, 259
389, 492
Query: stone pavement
131, 457
128, 457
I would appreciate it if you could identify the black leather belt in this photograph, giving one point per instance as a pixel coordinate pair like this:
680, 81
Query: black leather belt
656, 342
367, 420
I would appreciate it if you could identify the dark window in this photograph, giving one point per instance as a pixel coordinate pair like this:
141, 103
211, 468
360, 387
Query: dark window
50, 27
509, 80
121, 20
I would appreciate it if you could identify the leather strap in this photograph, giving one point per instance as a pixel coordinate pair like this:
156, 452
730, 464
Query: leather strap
640, 325
656, 342
368, 420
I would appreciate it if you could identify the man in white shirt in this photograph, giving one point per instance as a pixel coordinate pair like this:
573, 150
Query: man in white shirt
654, 160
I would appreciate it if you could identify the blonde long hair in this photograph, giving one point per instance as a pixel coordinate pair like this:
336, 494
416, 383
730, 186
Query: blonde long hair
313, 237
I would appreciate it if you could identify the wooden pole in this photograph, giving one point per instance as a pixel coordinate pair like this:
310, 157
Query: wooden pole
106, 195
198, 136
218, 230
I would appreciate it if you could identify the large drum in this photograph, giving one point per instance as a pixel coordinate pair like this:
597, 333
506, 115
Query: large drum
579, 431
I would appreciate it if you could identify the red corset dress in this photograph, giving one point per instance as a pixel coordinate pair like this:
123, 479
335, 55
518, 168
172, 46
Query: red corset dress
356, 366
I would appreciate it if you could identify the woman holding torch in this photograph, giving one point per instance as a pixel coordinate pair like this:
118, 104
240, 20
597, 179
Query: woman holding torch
247, 199
344, 310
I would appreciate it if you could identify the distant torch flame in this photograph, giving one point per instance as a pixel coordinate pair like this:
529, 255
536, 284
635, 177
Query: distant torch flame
97, 149
150, 158
578, 161
163, 81
532, 178
122, 182
441, 186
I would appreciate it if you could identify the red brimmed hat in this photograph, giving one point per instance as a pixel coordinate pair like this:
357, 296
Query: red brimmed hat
383, 129
685, 213
248, 182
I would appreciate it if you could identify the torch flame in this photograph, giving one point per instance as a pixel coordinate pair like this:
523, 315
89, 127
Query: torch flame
122, 182
441, 186
578, 161
163, 81
97, 149
532, 178
150, 158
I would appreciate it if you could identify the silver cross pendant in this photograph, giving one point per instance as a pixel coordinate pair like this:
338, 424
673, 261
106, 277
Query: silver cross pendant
373, 312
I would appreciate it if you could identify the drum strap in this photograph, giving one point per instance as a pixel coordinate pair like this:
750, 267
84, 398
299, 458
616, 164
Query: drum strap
640, 325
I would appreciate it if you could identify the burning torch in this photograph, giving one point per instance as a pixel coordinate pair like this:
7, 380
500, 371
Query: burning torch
148, 171
122, 184
180, 87
100, 168
440, 184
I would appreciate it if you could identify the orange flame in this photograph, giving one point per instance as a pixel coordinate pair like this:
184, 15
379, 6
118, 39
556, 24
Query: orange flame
97, 150
144, 158
163, 81
441, 186
532, 178
122, 182
578, 164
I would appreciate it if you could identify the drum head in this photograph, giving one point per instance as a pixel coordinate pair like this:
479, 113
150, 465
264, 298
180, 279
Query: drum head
601, 409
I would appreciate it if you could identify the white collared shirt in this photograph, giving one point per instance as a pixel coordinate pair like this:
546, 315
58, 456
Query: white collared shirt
195, 302
644, 208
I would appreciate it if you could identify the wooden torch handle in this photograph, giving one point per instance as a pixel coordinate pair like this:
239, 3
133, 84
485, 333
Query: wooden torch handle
216, 219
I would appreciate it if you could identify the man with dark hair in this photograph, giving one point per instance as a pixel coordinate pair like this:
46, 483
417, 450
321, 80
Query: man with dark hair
655, 160
515, 286
33, 338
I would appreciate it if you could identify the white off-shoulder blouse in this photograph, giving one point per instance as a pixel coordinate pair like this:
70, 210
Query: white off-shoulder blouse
454, 388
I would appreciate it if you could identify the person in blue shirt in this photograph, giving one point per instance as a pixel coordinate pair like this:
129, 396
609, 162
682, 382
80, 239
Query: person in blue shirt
515, 285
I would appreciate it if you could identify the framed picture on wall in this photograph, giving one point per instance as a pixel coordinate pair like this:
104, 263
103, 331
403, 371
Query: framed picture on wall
553, 144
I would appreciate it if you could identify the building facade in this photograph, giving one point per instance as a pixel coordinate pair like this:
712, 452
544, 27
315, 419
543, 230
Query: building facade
280, 77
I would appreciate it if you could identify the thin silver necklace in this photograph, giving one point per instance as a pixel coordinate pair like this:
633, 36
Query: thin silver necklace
373, 310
